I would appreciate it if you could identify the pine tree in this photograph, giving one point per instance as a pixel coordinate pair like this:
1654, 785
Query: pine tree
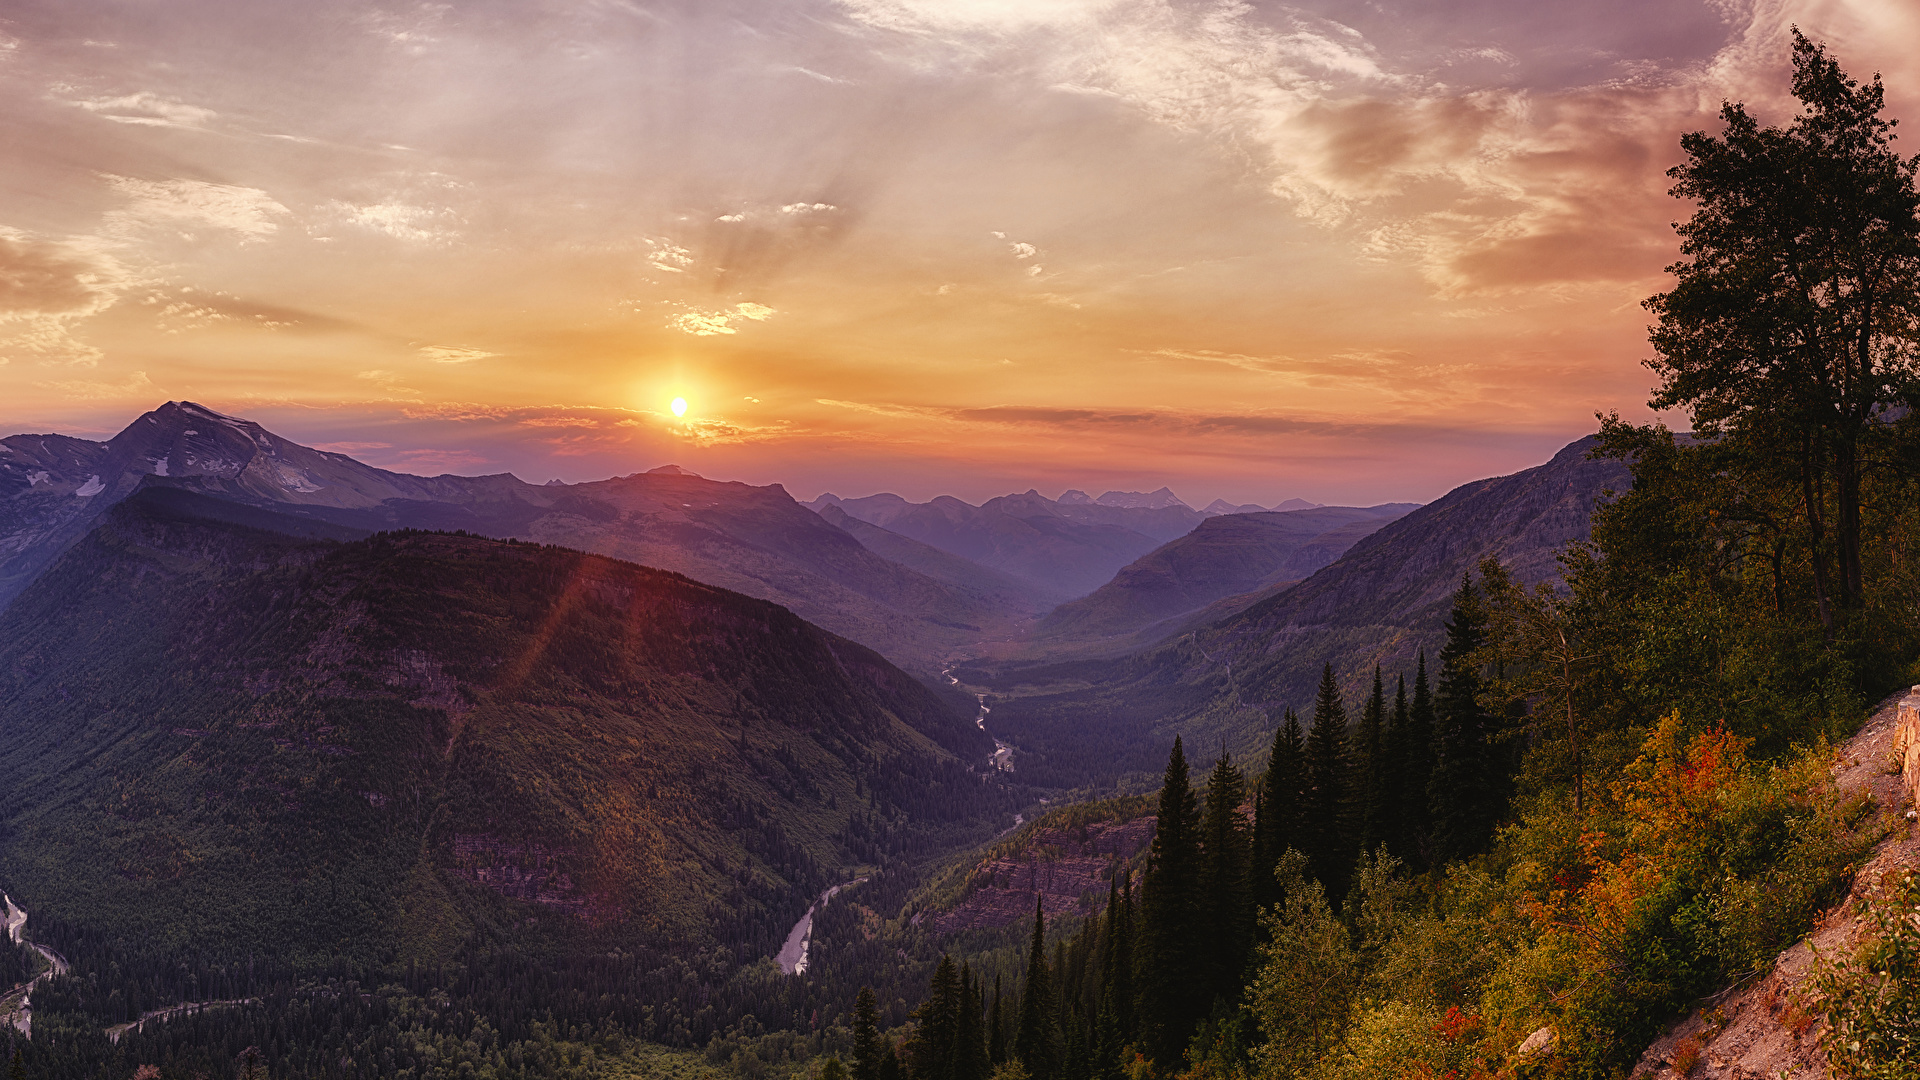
930, 1049
1329, 849
997, 1026
1419, 768
889, 1062
1226, 906
1277, 823
1372, 762
866, 1036
1038, 1044
1116, 988
17, 1068
1397, 806
1464, 789
970, 1061
1169, 987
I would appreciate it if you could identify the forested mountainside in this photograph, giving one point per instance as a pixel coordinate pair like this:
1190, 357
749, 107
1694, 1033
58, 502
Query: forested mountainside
1063, 548
1234, 555
226, 745
1380, 603
754, 540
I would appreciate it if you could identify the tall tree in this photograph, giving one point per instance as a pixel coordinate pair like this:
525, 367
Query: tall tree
970, 1061
1421, 723
1038, 1042
1277, 820
1115, 1027
1398, 828
997, 1026
931, 1048
866, 1036
1465, 789
1226, 920
1170, 913
1538, 656
1790, 325
1329, 847
1372, 766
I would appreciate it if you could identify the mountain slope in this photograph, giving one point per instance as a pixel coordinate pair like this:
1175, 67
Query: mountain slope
753, 540
1379, 603
1222, 557
220, 737
1063, 549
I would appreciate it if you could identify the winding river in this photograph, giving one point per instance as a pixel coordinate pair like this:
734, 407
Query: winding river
793, 955
16, 1005
1002, 756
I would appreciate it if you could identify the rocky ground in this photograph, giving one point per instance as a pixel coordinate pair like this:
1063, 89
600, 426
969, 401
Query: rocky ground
1068, 870
1766, 1028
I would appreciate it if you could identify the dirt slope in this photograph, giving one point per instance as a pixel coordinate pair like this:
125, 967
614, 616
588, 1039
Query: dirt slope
1764, 1029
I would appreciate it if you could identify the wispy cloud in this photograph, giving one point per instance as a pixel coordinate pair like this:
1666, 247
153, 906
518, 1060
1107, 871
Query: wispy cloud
46, 289
148, 109
181, 206
710, 323
134, 385
453, 354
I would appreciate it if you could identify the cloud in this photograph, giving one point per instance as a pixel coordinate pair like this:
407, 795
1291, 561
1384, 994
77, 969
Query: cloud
1024, 251
148, 109
46, 288
134, 384
412, 223
1486, 189
710, 323
453, 354
181, 205
669, 256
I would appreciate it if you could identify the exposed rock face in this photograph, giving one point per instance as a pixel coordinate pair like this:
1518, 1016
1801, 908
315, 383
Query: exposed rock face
1067, 870
1768, 1028
1906, 743
529, 872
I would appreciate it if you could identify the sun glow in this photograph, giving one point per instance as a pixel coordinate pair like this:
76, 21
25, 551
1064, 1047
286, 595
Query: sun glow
679, 406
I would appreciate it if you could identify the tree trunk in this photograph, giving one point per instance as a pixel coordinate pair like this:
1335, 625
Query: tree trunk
1816, 536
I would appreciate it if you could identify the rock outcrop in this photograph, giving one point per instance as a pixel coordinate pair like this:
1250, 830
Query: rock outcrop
1068, 870
1768, 1028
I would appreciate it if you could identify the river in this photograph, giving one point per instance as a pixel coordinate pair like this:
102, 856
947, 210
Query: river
793, 955
16, 1005
1002, 756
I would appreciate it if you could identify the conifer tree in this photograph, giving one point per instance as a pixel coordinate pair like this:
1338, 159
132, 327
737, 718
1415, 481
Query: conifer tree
1371, 758
1226, 921
970, 1061
1329, 850
1396, 804
1418, 821
1169, 920
1038, 1043
890, 1062
930, 1050
1464, 789
1277, 818
866, 1036
997, 1026
1114, 1022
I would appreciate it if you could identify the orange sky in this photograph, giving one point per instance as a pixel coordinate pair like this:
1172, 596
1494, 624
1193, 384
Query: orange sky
1341, 250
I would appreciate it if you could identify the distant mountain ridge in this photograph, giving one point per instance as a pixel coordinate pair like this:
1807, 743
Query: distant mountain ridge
1379, 603
1241, 554
753, 540
1064, 548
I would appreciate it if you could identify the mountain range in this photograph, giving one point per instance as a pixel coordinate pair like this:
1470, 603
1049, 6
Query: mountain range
1381, 603
756, 540
224, 737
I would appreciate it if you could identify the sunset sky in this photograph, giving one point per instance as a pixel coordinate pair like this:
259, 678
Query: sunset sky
1346, 250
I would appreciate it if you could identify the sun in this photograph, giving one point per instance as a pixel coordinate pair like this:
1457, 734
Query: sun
679, 406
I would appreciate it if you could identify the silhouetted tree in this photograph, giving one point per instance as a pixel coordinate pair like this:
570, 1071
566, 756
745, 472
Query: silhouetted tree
1329, 848
1465, 789
1170, 909
1038, 1043
1226, 920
